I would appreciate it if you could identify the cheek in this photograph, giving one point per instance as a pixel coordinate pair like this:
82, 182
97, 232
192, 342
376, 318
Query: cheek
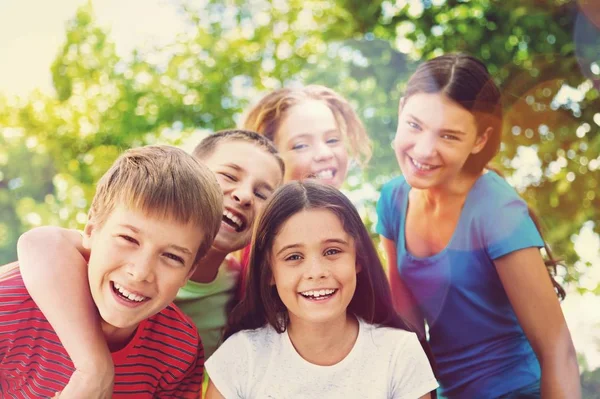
297, 166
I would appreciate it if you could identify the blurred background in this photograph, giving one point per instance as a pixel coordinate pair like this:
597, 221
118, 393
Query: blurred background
81, 81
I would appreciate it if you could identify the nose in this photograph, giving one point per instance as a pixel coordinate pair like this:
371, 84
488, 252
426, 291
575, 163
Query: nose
322, 152
317, 270
425, 146
141, 269
242, 195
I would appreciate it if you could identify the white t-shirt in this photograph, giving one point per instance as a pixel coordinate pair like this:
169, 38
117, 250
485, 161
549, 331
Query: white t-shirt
385, 363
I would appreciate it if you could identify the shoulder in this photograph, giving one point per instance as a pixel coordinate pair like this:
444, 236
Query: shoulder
395, 186
496, 190
255, 340
388, 338
171, 329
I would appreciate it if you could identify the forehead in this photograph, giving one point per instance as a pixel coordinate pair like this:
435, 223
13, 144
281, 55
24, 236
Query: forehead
247, 156
438, 110
159, 228
311, 226
309, 117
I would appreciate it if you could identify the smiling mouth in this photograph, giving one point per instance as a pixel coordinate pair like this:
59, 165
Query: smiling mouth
319, 295
422, 166
126, 295
325, 174
233, 220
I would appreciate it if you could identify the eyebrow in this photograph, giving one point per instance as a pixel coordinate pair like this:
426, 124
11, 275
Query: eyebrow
181, 249
329, 240
304, 135
176, 247
238, 168
234, 166
443, 130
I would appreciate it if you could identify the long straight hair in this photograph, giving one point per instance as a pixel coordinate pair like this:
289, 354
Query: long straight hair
466, 81
372, 300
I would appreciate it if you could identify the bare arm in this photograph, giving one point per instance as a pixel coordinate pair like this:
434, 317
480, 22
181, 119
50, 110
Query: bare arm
404, 302
212, 392
54, 268
529, 289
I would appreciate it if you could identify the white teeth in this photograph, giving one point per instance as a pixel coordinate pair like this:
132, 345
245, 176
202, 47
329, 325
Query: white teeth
324, 174
422, 166
318, 293
238, 222
131, 296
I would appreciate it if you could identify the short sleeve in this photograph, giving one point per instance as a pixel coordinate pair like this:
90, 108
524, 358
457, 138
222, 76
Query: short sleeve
510, 228
412, 376
228, 367
190, 384
386, 209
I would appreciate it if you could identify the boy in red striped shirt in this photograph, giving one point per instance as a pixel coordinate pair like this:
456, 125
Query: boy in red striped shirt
155, 213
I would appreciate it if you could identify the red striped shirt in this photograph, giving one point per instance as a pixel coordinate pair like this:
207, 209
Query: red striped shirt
164, 359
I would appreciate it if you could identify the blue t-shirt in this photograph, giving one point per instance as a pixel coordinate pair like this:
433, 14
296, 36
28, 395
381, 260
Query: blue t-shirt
480, 349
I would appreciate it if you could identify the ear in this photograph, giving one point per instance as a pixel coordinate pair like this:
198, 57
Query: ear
358, 268
89, 229
190, 273
481, 140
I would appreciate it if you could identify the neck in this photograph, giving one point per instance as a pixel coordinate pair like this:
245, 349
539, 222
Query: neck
453, 193
208, 267
117, 338
324, 344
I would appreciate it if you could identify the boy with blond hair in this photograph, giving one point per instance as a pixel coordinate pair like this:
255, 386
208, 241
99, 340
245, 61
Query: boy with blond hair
248, 169
154, 215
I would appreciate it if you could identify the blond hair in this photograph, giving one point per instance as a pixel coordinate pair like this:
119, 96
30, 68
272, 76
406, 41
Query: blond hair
266, 116
165, 182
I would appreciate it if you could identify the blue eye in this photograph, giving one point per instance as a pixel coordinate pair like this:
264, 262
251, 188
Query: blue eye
413, 125
299, 146
450, 137
333, 141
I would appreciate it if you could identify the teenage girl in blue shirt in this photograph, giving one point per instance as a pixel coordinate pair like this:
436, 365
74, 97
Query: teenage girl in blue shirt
462, 248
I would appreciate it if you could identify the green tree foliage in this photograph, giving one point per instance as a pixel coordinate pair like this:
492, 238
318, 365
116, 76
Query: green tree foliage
544, 55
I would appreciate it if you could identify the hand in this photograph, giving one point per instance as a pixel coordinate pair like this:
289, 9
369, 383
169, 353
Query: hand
92, 384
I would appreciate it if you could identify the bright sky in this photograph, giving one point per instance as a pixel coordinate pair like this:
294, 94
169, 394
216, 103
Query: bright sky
32, 31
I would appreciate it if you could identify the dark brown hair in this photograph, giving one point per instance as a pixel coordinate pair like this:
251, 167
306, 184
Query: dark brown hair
208, 145
466, 81
372, 300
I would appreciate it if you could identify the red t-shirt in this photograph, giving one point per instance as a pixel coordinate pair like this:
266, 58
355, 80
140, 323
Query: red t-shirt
164, 359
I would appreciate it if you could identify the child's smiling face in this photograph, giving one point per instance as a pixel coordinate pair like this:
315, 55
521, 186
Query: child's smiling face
313, 261
435, 137
248, 175
312, 145
137, 264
